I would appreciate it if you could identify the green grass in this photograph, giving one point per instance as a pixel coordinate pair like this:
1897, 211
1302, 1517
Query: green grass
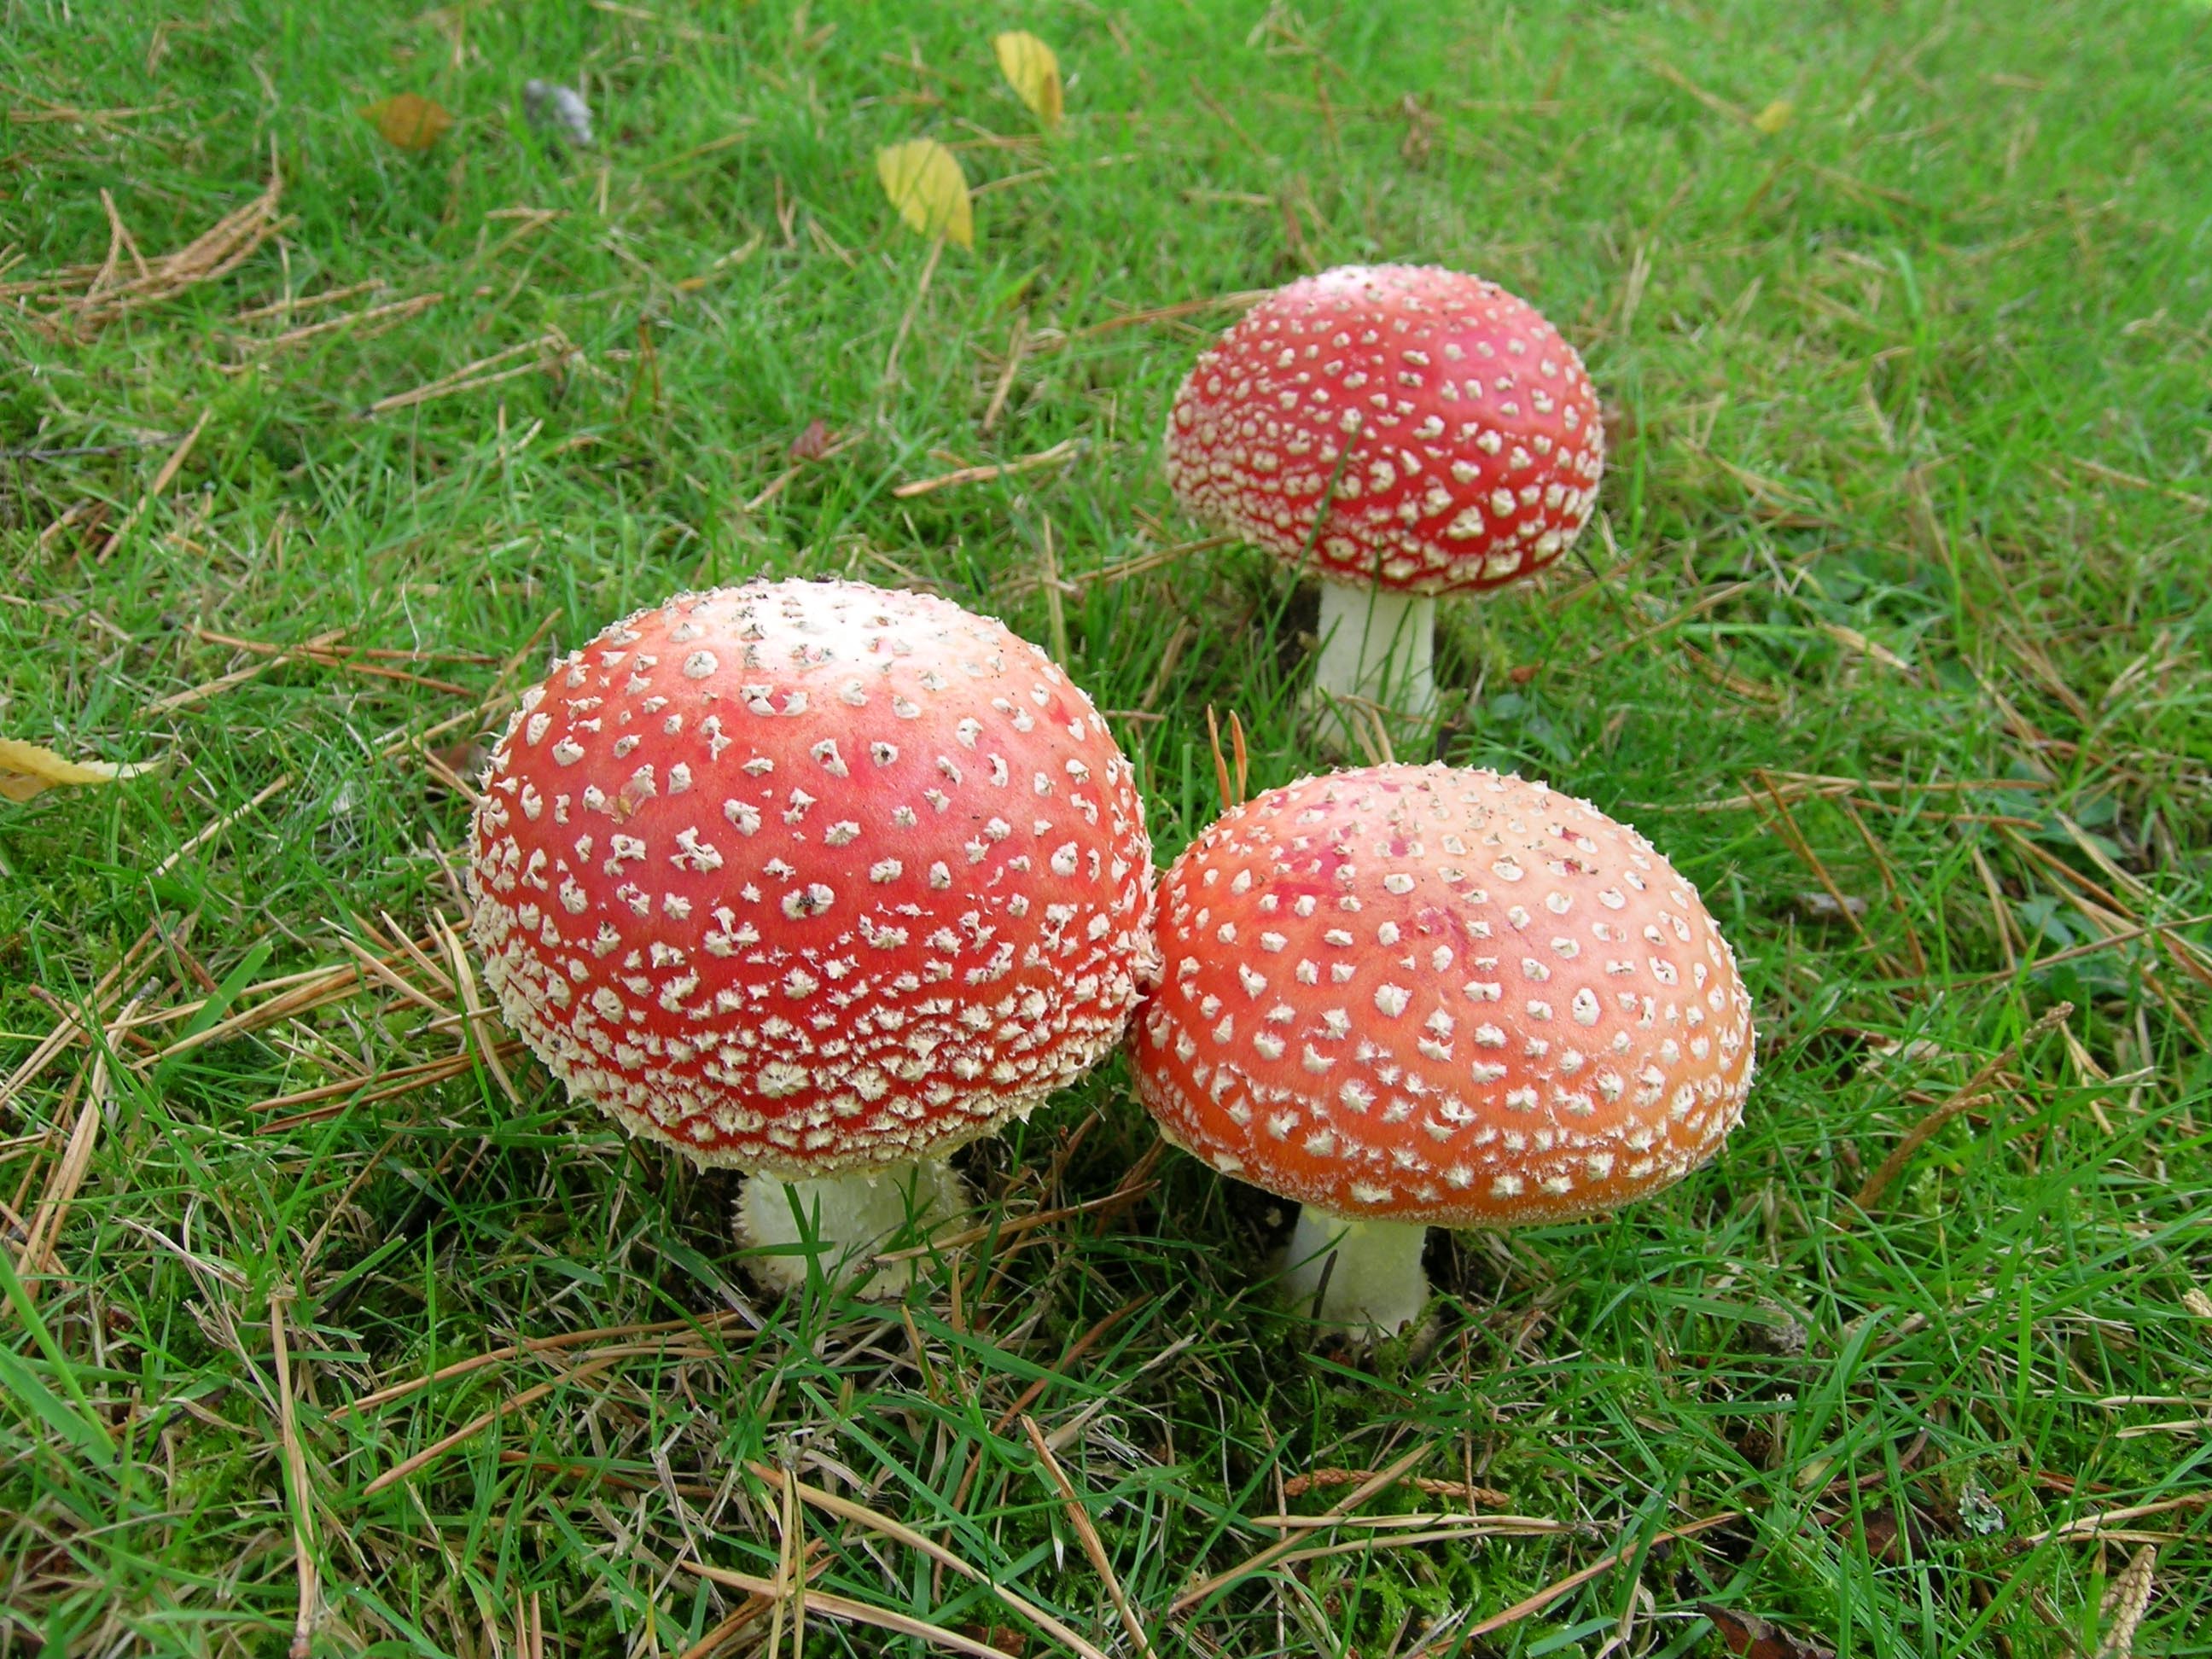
1912, 445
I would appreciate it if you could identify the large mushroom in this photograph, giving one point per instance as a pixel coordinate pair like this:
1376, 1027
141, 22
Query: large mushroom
817, 880
1408, 997
1413, 431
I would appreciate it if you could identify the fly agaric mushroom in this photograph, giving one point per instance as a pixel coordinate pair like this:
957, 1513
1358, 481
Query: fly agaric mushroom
1417, 996
1422, 432
817, 880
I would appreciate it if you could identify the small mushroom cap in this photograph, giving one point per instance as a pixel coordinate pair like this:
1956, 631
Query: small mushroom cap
1432, 994
804, 877
1474, 436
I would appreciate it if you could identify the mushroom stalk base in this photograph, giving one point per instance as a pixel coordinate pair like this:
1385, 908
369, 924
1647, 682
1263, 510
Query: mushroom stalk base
1364, 1276
844, 1221
1376, 646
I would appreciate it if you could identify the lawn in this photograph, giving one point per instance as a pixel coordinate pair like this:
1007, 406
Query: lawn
323, 1304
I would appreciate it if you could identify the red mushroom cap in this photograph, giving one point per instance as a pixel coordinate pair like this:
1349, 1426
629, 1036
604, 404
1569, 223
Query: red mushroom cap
808, 875
1476, 445
1423, 994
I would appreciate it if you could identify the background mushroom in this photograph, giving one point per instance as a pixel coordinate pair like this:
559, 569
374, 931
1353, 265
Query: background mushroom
1409, 997
1420, 431
817, 880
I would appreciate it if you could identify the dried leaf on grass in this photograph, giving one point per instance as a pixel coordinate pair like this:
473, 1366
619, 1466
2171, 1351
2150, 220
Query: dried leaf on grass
1758, 1638
924, 181
408, 120
1033, 71
28, 769
813, 443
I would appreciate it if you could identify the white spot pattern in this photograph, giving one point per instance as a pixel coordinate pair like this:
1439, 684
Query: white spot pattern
1401, 1087
792, 980
1474, 431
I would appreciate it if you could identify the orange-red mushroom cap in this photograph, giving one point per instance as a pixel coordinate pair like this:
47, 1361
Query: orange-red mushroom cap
805, 877
1437, 995
1474, 438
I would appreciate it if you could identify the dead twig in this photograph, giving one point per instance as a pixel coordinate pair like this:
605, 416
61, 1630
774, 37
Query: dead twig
486, 1037
397, 311
385, 1397
549, 350
853, 1612
276, 658
1551, 1593
1243, 300
747, 1614
162, 480
215, 252
860, 1514
1380, 1480
1016, 348
1066, 450
1317, 1480
47, 1221
296, 1471
477, 1424
1093, 1546
1974, 1092
1118, 1198
283, 782
913, 307
2086, 1527
2113, 474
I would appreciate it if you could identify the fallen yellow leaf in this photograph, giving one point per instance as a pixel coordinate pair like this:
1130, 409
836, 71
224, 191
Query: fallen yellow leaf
1775, 117
1033, 71
26, 769
924, 181
407, 120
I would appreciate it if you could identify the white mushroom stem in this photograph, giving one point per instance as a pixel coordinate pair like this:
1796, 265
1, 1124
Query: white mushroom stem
1363, 1275
1377, 646
842, 1222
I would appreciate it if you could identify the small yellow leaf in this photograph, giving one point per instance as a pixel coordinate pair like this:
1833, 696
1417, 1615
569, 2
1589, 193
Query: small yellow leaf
1033, 71
1775, 117
26, 769
407, 120
924, 181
